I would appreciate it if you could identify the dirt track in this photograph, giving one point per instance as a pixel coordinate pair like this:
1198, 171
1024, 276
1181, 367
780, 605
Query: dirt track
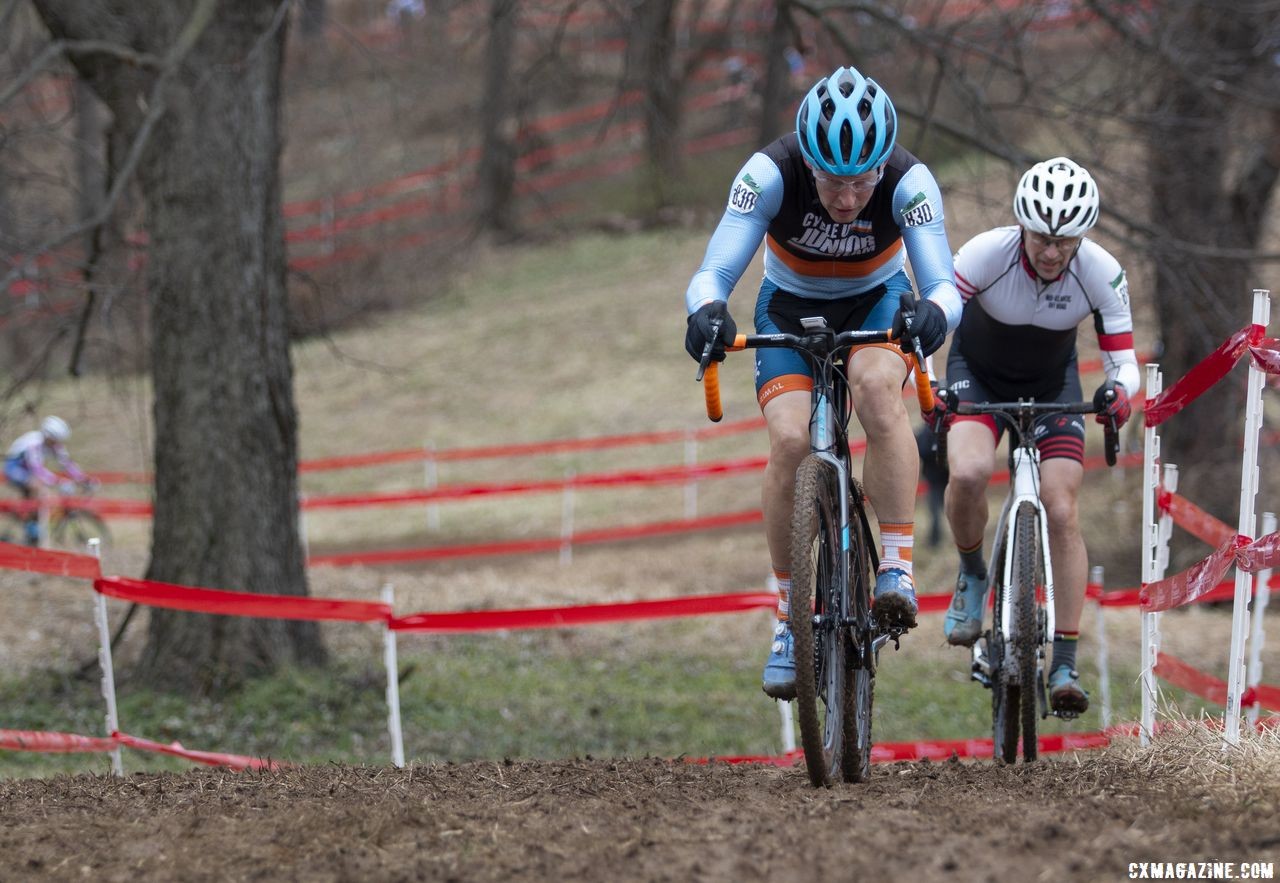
1070, 819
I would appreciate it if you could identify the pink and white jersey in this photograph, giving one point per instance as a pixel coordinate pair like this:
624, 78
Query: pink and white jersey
1017, 330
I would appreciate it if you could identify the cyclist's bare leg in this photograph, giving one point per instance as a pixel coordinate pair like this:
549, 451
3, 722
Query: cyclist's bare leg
787, 416
971, 457
1060, 480
891, 472
891, 469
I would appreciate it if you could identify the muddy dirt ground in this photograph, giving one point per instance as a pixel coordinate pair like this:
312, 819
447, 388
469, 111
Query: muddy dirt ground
1082, 818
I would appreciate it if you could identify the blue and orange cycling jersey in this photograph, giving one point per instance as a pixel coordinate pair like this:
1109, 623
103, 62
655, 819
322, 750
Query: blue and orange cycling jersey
810, 257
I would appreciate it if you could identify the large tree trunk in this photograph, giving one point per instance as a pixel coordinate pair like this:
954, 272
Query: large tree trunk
651, 67
1199, 196
775, 91
226, 495
497, 171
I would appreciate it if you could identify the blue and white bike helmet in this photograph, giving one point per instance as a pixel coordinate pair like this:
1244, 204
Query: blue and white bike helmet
847, 124
1056, 197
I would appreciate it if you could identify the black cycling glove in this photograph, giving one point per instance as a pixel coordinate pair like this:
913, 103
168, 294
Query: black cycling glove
700, 330
929, 326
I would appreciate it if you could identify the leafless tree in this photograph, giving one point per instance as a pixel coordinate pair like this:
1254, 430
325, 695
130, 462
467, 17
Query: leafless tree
194, 89
498, 119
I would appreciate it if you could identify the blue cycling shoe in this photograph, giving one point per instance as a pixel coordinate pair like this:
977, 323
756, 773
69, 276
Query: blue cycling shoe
963, 622
780, 667
893, 603
1066, 697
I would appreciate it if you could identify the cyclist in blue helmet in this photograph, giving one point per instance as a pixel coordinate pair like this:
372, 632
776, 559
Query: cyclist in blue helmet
840, 207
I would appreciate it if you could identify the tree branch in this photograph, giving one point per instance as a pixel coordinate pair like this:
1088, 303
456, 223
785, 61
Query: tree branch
155, 105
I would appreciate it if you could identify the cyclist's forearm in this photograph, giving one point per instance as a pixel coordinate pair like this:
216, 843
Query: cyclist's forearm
729, 253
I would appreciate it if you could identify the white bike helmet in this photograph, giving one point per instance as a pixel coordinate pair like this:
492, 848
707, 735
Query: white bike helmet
55, 429
1056, 198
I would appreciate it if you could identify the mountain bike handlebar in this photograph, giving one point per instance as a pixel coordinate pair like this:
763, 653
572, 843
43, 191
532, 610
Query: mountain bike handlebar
819, 344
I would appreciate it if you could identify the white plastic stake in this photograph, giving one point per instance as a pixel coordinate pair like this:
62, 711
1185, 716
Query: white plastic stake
1104, 668
691, 487
1247, 526
566, 520
1257, 635
104, 661
432, 481
302, 526
1150, 635
393, 682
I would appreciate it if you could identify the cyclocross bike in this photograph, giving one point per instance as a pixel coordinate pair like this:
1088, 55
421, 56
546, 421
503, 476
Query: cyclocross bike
833, 557
1009, 658
70, 526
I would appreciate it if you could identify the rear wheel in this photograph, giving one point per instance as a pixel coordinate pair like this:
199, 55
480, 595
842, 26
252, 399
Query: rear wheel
12, 528
824, 690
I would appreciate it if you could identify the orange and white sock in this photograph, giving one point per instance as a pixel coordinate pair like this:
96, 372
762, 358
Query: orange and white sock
783, 578
896, 541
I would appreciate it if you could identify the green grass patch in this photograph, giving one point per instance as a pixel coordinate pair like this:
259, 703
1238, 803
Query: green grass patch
542, 695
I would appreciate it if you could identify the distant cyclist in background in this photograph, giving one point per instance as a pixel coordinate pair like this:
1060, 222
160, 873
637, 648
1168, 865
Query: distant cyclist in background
1026, 288
835, 202
25, 470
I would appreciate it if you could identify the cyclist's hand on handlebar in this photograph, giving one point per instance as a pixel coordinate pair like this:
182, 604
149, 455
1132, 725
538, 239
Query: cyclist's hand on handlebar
929, 326
702, 328
1112, 402
941, 417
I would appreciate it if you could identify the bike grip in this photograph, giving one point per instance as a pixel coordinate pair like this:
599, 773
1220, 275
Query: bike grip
711, 389
924, 390
739, 344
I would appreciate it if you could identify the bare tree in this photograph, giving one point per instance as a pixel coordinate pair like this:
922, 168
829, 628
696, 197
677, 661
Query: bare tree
194, 87
498, 120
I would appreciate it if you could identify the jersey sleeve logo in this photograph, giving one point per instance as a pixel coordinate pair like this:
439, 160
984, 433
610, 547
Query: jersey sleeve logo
918, 211
743, 197
1121, 286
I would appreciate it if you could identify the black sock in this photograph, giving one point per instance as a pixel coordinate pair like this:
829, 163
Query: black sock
1064, 649
972, 562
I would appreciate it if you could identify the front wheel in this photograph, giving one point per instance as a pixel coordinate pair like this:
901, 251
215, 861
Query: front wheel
824, 690
1015, 647
72, 529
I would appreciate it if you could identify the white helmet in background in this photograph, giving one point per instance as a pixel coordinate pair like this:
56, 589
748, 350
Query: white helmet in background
55, 429
1056, 197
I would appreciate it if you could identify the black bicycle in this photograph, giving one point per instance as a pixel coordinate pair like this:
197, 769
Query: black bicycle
833, 558
1009, 658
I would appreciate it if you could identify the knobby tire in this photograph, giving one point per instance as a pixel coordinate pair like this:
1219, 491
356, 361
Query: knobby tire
1026, 569
856, 764
824, 689
1004, 692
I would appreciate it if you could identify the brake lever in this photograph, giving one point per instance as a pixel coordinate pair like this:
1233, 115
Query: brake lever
707, 350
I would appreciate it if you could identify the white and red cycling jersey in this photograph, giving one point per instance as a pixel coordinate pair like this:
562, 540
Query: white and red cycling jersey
1017, 333
25, 460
